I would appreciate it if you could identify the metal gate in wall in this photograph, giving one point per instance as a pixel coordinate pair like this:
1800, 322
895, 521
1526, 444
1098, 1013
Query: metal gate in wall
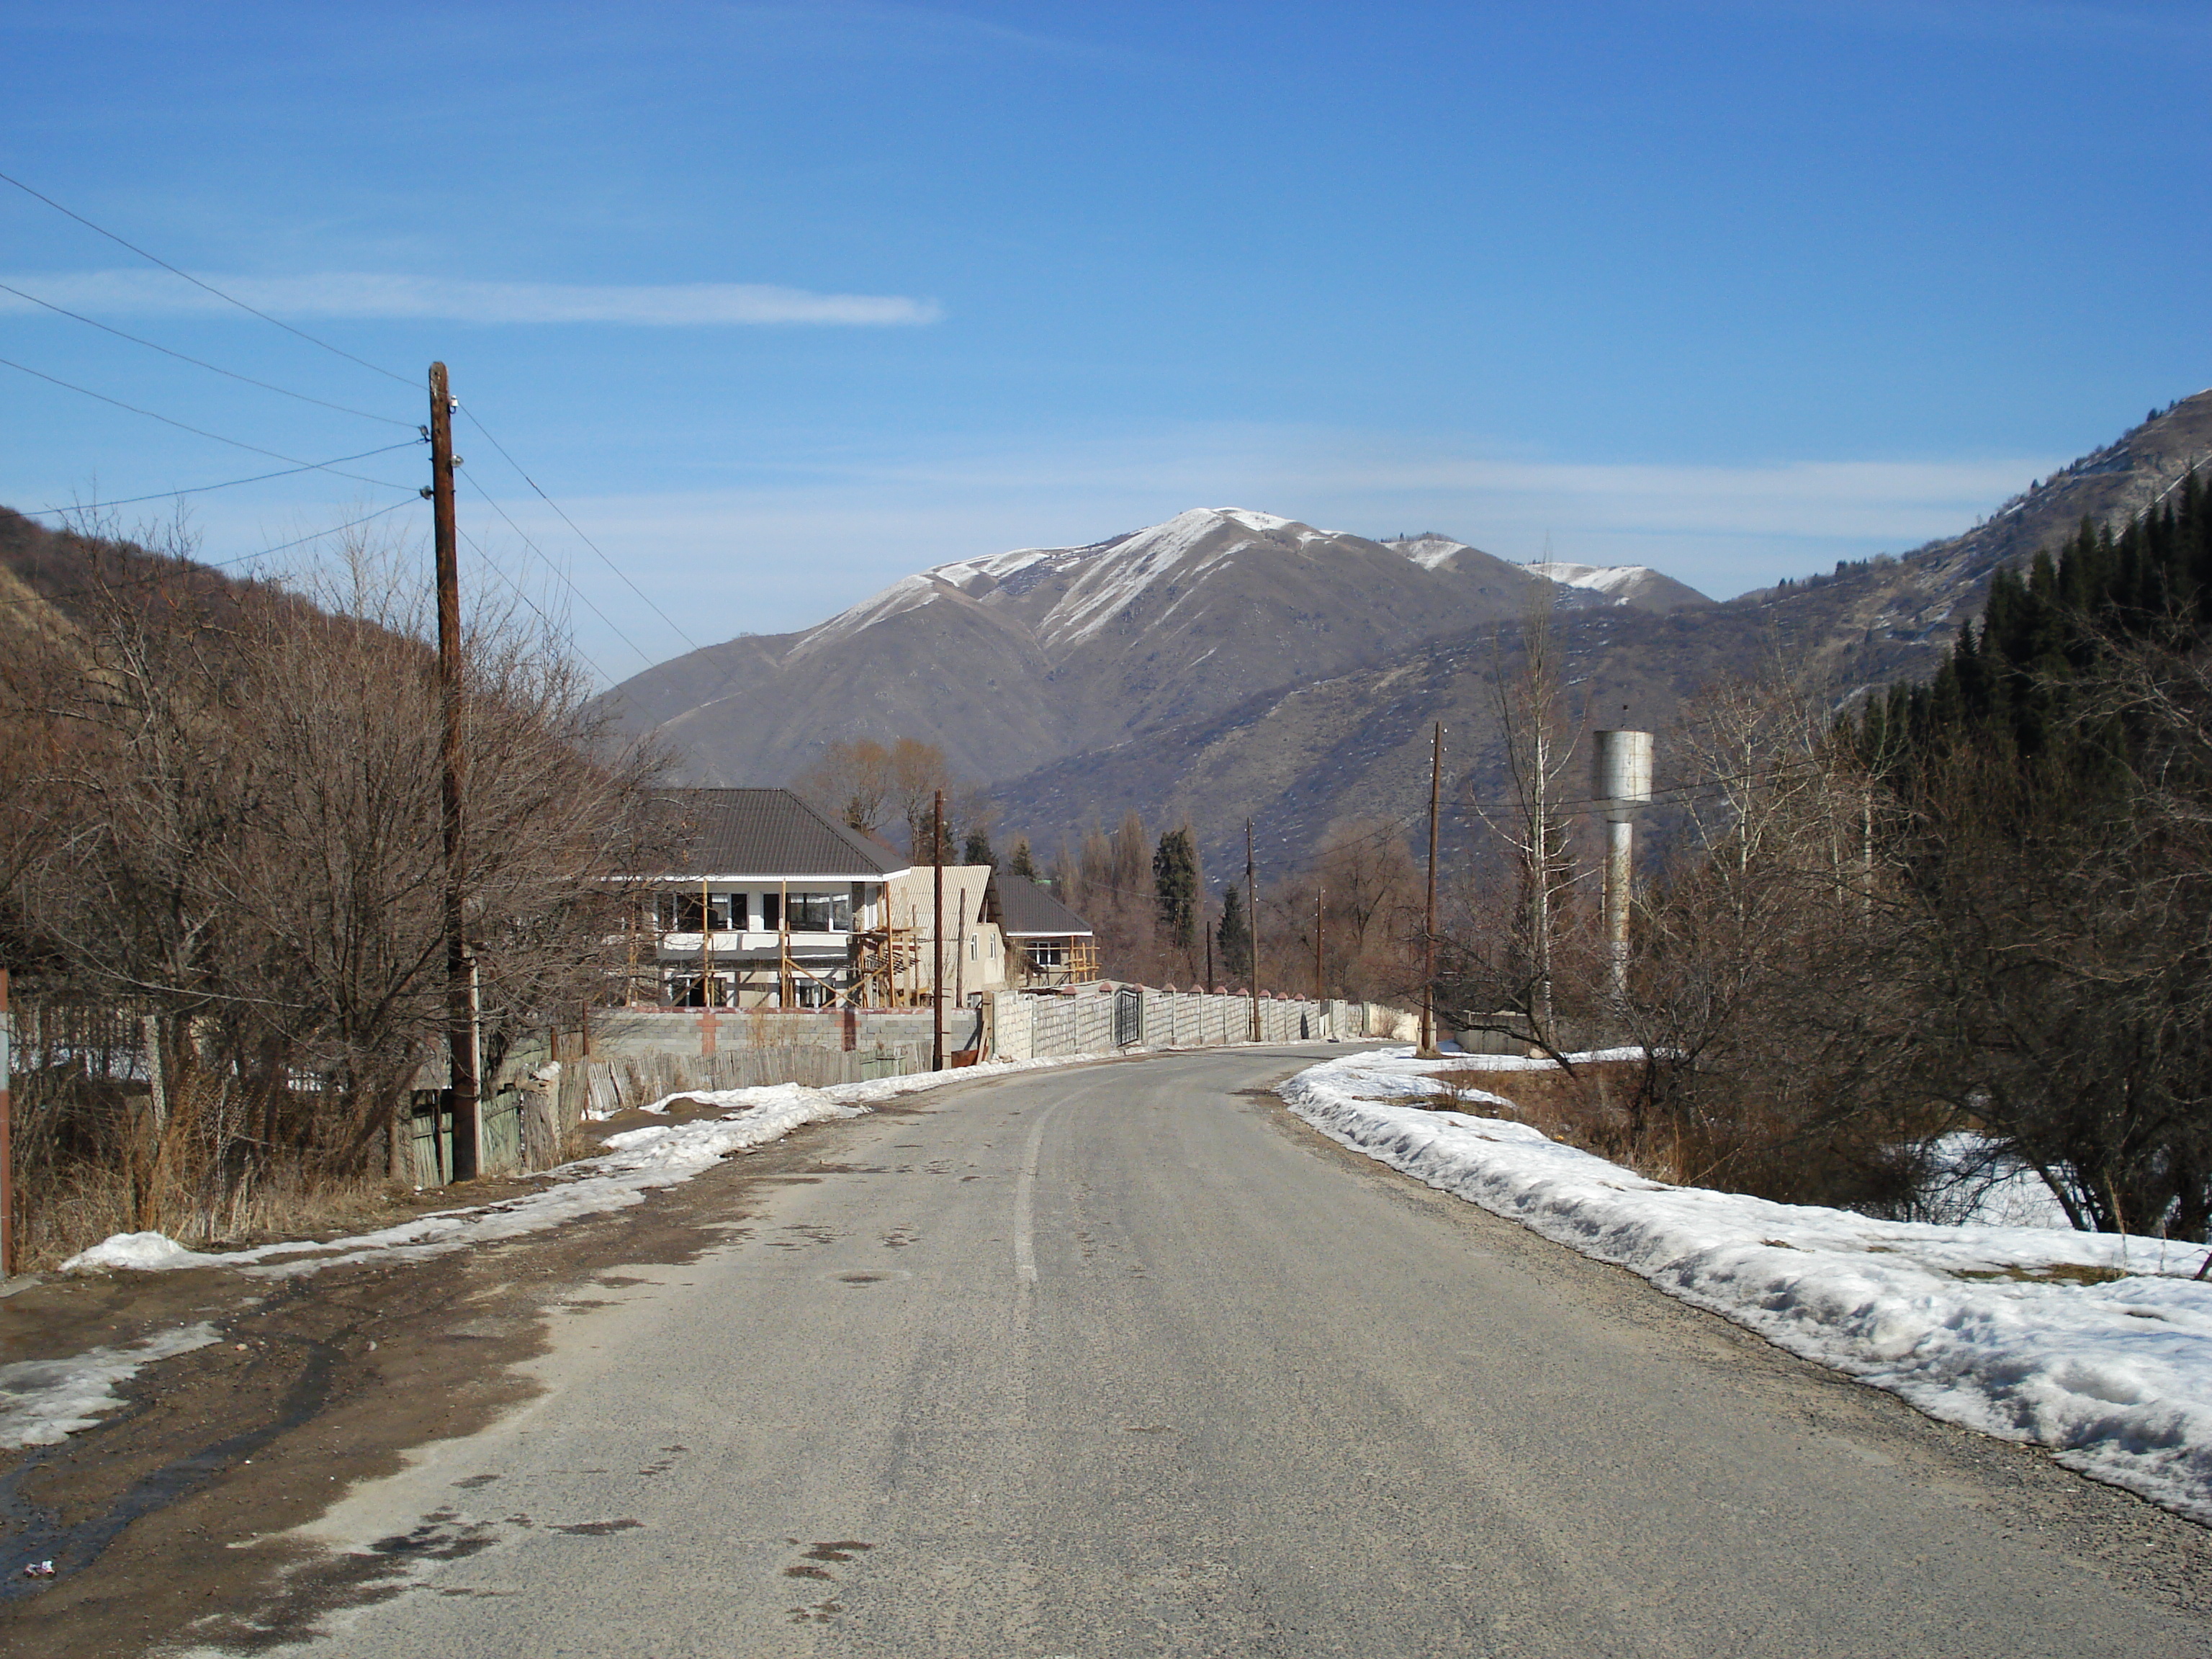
1128, 1017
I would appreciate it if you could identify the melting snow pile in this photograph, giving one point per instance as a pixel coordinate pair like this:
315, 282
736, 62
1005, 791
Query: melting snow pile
2096, 1344
44, 1401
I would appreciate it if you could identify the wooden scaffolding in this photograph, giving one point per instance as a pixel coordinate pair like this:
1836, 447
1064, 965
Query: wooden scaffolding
890, 968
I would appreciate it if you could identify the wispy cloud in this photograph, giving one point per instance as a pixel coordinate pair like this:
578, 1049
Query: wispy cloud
371, 295
2077, 22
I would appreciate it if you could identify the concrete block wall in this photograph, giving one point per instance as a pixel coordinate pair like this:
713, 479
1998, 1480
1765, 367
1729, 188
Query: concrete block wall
1029, 1027
637, 1057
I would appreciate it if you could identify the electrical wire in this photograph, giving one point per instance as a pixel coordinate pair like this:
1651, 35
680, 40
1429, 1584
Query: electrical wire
193, 567
199, 432
560, 574
196, 362
580, 536
209, 287
231, 484
516, 588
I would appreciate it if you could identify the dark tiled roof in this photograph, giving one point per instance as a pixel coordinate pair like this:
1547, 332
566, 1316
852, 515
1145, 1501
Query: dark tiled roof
767, 832
1027, 911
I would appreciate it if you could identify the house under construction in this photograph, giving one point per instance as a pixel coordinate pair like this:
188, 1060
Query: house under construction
775, 904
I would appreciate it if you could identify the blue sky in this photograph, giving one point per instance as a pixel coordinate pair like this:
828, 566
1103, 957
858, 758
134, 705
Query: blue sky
782, 301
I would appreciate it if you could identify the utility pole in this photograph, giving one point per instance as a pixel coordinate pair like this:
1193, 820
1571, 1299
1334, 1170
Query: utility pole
1252, 906
1429, 927
706, 946
7, 1152
937, 934
1321, 905
1209, 944
460, 1012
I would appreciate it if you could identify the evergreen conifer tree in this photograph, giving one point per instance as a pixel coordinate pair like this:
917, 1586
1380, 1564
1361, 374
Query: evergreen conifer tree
1234, 935
1174, 888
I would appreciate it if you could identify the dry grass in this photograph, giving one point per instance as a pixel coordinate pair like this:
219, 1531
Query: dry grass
88, 1202
1589, 1108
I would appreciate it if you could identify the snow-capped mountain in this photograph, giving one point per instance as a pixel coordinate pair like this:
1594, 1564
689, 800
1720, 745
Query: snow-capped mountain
1635, 585
1016, 659
1230, 663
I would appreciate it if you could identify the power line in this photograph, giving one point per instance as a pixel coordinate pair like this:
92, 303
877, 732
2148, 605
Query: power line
231, 484
198, 432
560, 574
580, 536
213, 368
194, 566
209, 287
516, 588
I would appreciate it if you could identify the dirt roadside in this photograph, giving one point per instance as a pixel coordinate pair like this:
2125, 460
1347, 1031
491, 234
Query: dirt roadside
318, 1381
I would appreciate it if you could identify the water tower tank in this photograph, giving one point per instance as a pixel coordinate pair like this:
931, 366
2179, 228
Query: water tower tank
1620, 774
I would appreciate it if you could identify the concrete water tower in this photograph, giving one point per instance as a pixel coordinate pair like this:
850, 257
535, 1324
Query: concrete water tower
1620, 787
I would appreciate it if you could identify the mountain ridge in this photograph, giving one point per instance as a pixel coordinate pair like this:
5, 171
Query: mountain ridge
1354, 743
1014, 660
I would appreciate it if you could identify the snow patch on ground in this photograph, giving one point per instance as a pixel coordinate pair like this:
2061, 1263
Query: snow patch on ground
44, 1401
2095, 1345
1612, 580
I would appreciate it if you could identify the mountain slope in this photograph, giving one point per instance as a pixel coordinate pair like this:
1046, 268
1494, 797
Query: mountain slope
1012, 661
1356, 743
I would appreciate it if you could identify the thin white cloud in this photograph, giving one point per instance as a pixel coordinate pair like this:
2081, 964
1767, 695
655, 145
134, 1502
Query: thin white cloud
372, 295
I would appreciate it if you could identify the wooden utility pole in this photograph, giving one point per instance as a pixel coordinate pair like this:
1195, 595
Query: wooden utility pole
7, 1152
1321, 902
706, 946
460, 1013
1429, 928
937, 934
1252, 922
1208, 927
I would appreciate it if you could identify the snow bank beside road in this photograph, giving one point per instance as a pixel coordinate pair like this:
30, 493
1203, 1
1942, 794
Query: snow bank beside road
2095, 1345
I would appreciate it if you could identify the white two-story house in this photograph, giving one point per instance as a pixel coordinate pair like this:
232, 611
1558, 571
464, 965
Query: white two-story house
762, 908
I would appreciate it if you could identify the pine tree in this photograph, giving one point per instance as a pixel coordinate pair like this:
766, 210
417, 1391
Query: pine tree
1174, 888
1233, 936
1019, 863
977, 849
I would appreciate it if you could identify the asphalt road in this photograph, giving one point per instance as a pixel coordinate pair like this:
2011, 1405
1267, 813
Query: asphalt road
1124, 1360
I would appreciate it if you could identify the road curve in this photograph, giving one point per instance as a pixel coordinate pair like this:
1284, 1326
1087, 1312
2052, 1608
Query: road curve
1124, 1360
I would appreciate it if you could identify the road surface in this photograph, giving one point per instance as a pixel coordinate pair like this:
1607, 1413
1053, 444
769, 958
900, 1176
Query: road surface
1125, 1360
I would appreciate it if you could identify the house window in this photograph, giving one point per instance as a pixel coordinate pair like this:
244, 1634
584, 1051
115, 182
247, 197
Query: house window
1048, 952
680, 913
689, 991
821, 912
